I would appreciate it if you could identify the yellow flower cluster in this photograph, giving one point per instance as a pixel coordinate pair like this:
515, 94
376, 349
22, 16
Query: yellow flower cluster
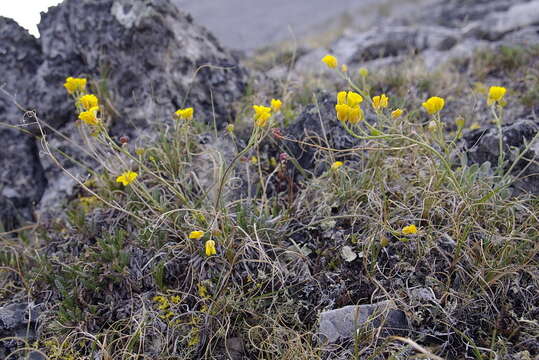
75, 85
380, 102
87, 102
196, 235
336, 165
90, 116
495, 95
127, 177
348, 107
409, 230
210, 248
164, 303
185, 114
263, 113
434, 105
330, 61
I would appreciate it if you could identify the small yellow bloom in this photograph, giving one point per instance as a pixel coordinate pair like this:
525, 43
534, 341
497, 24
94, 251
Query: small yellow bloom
330, 61
127, 177
434, 105
185, 114
210, 248
363, 72
475, 126
139, 151
380, 102
336, 165
355, 115
344, 68
262, 114
496, 94
276, 105
89, 101
254, 160
460, 122
90, 116
202, 291
195, 235
176, 299
73, 85
354, 99
396, 114
409, 230
230, 128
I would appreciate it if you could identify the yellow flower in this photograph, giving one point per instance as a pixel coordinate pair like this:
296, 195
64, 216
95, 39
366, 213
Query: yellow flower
475, 126
127, 177
409, 230
90, 116
348, 108
344, 68
210, 248
496, 94
276, 105
197, 234
380, 102
73, 85
363, 72
460, 122
330, 61
254, 160
434, 105
336, 165
176, 299
139, 151
202, 291
230, 128
185, 114
396, 114
89, 101
262, 114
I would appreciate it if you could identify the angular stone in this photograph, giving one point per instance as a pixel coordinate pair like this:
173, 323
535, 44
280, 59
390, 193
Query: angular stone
21, 177
482, 145
343, 323
18, 320
391, 41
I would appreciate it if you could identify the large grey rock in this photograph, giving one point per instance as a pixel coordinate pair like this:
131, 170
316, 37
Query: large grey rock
482, 146
391, 41
317, 124
343, 323
147, 51
147, 58
517, 17
17, 320
21, 177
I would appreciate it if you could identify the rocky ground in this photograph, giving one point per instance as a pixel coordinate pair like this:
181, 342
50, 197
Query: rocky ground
311, 260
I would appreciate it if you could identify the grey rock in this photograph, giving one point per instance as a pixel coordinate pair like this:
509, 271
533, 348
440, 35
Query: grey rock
498, 24
343, 323
317, 124
21, 177
482, 146
147, 59
393, 41
19, 320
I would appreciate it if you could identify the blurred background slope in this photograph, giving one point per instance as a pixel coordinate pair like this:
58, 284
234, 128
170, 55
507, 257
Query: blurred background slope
252, 24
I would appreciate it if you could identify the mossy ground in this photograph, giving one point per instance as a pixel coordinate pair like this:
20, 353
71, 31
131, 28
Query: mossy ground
120, 277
